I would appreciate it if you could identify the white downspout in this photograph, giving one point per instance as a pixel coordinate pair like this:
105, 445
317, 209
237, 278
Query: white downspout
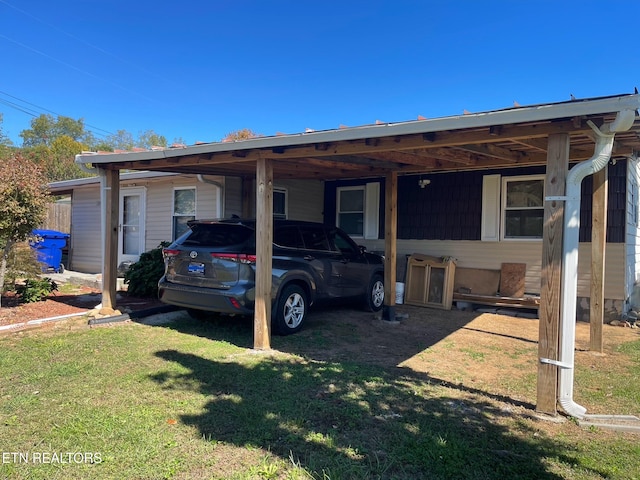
569, 285
220, 207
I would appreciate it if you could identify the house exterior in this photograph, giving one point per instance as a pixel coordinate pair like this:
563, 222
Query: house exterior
460, 214
155, 206
465, 215
468, 187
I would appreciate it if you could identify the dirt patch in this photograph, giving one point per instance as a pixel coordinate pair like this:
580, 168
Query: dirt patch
491, 354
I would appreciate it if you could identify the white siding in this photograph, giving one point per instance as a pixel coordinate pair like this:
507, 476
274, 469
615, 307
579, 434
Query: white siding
232, 196
159, 208
86, 231
86, 244
305, 199
490, 255
632, 253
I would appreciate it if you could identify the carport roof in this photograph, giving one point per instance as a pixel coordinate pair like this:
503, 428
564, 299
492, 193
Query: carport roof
510, 137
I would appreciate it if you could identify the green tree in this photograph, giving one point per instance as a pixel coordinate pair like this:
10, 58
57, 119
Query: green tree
23, 204
57, 161
121, 140
149, 138
45, 129
5, 141
63, 155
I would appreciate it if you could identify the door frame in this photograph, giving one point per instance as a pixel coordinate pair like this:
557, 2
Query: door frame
124, 192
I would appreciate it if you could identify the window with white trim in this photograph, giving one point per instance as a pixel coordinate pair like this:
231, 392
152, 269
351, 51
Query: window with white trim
350, 216
280, 203
358, 210
184, 209
522, 207
512, 207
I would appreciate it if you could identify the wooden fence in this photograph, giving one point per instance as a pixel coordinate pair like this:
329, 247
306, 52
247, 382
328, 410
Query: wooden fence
58, 217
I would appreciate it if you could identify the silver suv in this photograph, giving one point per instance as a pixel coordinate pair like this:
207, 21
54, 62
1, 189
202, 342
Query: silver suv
211, 268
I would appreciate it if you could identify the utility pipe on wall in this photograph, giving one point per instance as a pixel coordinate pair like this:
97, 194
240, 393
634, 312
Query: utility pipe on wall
569, 284
220, 206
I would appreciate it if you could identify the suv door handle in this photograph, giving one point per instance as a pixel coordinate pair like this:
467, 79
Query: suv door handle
309, 257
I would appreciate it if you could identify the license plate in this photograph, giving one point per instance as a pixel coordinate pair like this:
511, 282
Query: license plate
196, 268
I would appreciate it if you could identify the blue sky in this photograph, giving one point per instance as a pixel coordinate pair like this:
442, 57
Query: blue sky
198, 69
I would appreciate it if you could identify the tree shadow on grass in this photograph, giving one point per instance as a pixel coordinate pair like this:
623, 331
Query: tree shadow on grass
348, 420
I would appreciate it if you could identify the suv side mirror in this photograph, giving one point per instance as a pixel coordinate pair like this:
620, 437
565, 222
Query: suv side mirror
363, 249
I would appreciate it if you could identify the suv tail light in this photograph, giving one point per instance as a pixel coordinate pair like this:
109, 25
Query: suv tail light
167, 252
235, 257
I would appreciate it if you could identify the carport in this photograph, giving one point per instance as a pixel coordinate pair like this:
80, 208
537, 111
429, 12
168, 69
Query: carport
553, 135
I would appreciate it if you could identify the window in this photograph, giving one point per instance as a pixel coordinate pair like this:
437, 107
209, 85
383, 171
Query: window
184, 209
342, 243
315, 238
358, 210
351, 210
512, 207
522, 207
279, 203
288, 237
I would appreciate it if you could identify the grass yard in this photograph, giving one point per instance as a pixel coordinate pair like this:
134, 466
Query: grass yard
347, 398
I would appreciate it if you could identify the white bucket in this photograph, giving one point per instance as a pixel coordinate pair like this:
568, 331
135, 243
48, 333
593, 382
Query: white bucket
399, 293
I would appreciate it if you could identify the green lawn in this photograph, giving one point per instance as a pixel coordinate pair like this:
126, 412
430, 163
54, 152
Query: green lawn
191, 400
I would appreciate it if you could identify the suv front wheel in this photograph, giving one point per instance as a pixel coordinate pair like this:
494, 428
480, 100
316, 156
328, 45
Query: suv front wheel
291, 310
375, 294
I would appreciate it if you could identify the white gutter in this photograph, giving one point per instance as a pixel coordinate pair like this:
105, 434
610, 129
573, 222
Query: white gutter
568, 297
83, 166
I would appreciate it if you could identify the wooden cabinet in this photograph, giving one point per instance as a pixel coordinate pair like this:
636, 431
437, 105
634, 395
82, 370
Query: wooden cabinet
430, 281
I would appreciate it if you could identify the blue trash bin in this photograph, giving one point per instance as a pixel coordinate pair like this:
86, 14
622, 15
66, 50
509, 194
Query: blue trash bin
48, 245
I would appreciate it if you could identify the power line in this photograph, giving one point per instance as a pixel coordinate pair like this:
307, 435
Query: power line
36, 113
81, 40
73, 67
40, 109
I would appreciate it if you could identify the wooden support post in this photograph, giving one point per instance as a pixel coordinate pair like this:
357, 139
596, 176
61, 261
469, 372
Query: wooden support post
246, 197
390, 249
598, 247
110, 196
549, 312
264, 253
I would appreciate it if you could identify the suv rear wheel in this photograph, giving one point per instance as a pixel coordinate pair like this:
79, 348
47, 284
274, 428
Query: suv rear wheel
291, 310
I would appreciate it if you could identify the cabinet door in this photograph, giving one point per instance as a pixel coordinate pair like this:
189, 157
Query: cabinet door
435, 292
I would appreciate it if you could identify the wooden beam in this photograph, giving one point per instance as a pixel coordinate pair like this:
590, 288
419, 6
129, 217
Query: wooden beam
110, 183
534, 143
501, 153
598, 247
264, 254
390, 248
407, 159
549, 312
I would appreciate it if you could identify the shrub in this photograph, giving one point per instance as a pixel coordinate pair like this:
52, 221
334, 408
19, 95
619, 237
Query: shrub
21, 263
35, 290
143, 275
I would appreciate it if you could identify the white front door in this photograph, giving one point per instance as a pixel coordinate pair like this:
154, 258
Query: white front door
131, 224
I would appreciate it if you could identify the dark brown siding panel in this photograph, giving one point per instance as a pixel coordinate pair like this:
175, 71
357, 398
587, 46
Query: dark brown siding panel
616, 204
450, 207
